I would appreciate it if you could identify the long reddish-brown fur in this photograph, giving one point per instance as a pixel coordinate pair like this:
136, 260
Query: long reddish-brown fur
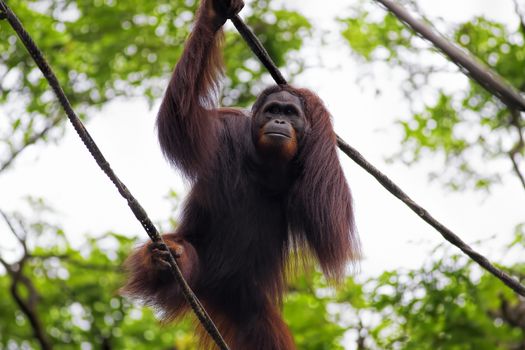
239, 226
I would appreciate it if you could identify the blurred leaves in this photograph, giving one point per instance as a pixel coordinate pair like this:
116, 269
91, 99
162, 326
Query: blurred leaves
470, 130
447, 304
104, 50
79, 306
78, 301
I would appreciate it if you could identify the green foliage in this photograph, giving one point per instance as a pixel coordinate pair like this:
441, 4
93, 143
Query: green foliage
78, 302
102, 50
106, 49
443, 305
280, 32
445, 310
368, 38
423, 129
449, 303
305, 310
472, 130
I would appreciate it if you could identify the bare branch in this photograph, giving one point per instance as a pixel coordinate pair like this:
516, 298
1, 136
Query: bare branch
361, 336
516, 169
32, 140
520, 16
482, 74
515, 121
28, 307
20, 237
7, 266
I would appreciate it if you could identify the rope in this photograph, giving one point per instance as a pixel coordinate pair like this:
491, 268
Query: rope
494, 85
486, 77
388, 184
93, 149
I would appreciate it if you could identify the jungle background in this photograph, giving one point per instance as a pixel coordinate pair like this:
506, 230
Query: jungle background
449, 143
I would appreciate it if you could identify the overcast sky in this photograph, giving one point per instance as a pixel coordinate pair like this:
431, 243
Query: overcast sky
392, 235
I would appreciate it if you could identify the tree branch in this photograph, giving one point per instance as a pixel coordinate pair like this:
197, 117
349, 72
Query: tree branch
361, 336
33, 139
520, 16
69, 259
21, 238
516, 168
482, 74
29, 306
519, 147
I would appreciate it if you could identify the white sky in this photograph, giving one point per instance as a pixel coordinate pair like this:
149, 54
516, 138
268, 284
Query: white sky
392, 236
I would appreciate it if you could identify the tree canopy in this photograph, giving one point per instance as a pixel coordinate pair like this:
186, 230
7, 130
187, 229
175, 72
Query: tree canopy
54, 295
